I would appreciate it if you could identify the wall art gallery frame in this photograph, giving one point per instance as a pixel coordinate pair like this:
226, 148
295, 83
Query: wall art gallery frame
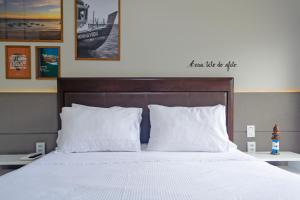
97, 30
48, 66
40, 23
18, 62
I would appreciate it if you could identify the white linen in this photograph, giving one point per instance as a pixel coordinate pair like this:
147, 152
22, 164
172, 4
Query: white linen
149, 176
85, 130
75, 105
188, 129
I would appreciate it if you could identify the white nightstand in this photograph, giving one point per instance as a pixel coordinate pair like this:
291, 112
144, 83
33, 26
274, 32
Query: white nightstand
7, 161
293, 159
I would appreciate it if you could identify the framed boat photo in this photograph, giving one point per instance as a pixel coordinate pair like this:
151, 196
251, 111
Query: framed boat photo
18, 62
47, 62
31, 21
97, 30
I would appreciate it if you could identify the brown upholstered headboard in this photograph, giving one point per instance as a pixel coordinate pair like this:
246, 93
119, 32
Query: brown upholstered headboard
140, 92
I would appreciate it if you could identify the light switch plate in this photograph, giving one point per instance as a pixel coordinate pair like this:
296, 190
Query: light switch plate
251, 147
40, 147
250, 131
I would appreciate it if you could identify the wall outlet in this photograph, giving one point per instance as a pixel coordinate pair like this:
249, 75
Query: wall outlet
250, 131
251, 147
40, 147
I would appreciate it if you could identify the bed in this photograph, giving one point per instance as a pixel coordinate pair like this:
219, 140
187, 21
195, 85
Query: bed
144, 174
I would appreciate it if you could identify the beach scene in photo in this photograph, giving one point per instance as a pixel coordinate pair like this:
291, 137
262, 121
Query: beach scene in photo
30, 20
97, 29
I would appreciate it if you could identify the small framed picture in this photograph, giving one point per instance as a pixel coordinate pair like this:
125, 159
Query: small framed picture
18, 62
47, 62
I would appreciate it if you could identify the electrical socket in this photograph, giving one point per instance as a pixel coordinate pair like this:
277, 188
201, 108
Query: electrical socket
250, 131
40, 147
251, 147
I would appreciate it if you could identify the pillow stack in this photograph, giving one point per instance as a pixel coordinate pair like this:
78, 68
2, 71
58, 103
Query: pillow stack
86, 129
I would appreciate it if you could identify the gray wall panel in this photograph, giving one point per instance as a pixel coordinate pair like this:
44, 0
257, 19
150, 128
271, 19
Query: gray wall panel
29, 118
265, 109
28, 113
25, 143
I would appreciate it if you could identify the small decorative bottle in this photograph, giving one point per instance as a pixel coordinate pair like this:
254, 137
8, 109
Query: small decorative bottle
275, 140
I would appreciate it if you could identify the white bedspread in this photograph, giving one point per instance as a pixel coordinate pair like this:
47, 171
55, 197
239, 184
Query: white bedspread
149, 175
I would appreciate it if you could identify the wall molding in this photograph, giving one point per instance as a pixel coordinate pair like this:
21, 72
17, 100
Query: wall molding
268, 132
267, 91
48, 90
54, 91
55, 132
28, 133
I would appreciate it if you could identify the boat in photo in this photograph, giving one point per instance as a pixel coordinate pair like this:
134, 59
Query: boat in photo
50, 59
90, 36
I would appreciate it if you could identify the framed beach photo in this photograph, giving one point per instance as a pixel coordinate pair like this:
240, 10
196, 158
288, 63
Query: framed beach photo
18, 62
97, 29
47, 62
31, 20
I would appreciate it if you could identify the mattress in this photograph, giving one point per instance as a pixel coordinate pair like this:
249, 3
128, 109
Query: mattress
149, 175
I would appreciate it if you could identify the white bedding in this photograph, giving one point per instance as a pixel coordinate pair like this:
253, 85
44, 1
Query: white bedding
149, 175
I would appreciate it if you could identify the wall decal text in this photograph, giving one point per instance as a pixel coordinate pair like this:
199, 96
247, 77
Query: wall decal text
211, 64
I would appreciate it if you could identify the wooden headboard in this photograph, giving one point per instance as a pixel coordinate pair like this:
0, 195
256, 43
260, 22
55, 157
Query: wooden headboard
140, 92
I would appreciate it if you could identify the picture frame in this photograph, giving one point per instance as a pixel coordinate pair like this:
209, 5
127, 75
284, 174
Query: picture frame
97, 30
18, 62
47, 62
41, 21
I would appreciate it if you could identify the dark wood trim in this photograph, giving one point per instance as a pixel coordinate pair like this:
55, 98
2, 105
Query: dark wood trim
230, 110
123, 85
146, 84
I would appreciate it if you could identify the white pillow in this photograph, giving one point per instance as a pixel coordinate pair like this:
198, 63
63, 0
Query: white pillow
85, 130
75, 105
188, 129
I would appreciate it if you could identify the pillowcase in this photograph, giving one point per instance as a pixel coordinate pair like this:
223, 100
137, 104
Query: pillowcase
75, 105
99, 129
188, 129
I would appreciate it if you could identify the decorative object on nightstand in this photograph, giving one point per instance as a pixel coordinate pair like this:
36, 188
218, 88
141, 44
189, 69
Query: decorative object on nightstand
275, 140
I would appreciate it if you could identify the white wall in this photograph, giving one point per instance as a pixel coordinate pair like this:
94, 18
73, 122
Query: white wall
160, 37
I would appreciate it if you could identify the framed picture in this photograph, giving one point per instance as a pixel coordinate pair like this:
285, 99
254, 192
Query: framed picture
18, 62
34, 20
97, 29
47, 62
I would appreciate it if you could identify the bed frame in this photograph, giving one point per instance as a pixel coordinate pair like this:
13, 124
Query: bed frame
140, 92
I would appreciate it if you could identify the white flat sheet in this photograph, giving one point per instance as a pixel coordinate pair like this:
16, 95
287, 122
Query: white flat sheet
149, 175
